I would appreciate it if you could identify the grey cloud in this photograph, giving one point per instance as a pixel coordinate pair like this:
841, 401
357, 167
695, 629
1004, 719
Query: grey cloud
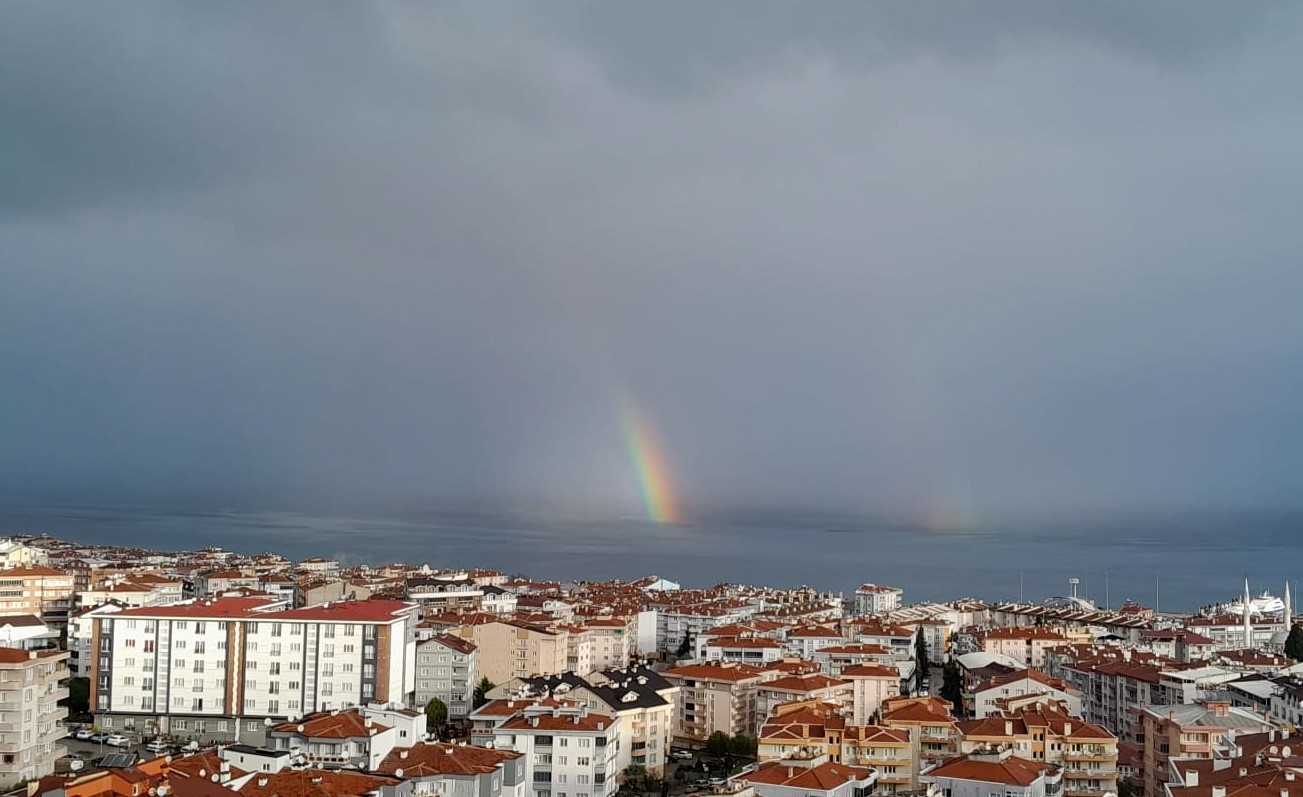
925, 258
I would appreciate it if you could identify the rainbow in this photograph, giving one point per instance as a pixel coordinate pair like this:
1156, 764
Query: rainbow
650, 467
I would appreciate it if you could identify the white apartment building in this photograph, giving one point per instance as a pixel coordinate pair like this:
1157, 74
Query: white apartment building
81, 630
358, 737
17, 554
569, 751
872, 685
31, 685
717, 697
202, 669
447, 669
876, 599
450, 770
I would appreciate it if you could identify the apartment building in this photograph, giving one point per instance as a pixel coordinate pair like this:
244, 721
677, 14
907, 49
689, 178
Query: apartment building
1115, 685
16, 554
31, 685
511, 649
677, 627
756, 651
447, 668
806, 641
613, 641
995, 695
356, 738
642, 699
1087, 754
133, 591
888, 751
1025, 645
876, 599
933, 732
981, 774
871, 686
1188, 731
41, 591
808, 776
202, 669
215, 582
457, 770
716, 696
835, 658
568, 751
438, 595
801, 688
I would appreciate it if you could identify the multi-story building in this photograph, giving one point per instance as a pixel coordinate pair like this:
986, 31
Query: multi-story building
614, 641
807, 687
41, 591
876, 599
358, 737
16, 554
1025, 645
888, 751
458, 770
716, 697
995, 695
567, 750
447, 669
808, 776
31, 685
642, 699
1188, 731
439, 595
835, 658
871, 686
808, 640
200, 669
933, 732
981, 774
510, 649
1086, 752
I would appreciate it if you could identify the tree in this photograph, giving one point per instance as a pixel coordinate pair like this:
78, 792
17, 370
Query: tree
482, 690
436, 715
952, 686
685, 647
717, 744
920, 661
78, 699
742, 746
1294, 643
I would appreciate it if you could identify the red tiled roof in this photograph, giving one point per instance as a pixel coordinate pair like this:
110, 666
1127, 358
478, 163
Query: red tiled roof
823, 777
444, 759
330, 725
317, 783
1012, 771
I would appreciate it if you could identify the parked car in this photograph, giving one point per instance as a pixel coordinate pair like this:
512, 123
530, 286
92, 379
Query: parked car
158, 746
84, 734
718, 782
682, 755
97, 737
117, 740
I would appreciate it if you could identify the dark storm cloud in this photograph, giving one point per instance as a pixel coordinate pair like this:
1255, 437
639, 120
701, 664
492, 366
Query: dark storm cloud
932, 258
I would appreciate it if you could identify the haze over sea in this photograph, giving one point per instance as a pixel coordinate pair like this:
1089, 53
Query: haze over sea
1198, 557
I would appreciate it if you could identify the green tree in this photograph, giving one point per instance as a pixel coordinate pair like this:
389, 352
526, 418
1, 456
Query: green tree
482, 690
1294, 643
436, 715
78, 699
685, 647
952, 686
742, 746
920, 661
718, 744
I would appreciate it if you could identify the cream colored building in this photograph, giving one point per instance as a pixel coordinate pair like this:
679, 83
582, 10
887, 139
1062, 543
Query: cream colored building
509, 649
37, 590
30, 689
871, 686
16, 554
717, 696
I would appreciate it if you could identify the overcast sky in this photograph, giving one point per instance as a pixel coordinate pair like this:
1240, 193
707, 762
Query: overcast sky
938, 259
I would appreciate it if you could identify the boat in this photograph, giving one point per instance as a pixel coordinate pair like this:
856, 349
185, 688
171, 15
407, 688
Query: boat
1265, 605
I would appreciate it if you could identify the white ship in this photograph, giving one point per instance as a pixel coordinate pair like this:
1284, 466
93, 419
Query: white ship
1265, 605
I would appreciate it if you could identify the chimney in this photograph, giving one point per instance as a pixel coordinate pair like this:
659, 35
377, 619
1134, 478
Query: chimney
402, 754
1067, 729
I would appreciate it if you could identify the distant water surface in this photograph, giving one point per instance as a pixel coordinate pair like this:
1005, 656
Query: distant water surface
1195, 559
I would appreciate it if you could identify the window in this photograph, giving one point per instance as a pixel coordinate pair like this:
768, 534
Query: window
274, 668
199, 647
199, 626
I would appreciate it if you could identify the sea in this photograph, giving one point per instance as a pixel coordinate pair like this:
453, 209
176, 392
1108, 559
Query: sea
1182, 561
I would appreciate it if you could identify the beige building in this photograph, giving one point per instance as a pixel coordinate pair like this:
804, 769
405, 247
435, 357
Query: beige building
1027, 646
790, 688
888, 750
933, 732
1188, 731
37, 590
509, 649
613, 641
717, 696
31, 685
16, 554
1087, 753
871, 686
